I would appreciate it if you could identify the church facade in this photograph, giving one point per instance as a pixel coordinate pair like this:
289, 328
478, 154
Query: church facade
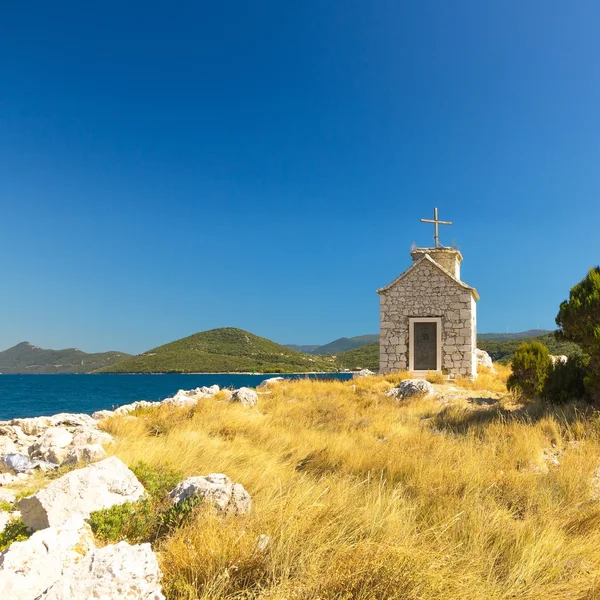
428, 317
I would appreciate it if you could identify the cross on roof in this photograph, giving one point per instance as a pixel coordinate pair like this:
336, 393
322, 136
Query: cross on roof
436, 222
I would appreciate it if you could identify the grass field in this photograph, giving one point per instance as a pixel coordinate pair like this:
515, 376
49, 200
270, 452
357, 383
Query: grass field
457, 497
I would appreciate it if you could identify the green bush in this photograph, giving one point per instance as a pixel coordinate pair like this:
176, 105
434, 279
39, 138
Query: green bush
157, 481
135, 522
15, 531
565, 381
579, 321
531, 365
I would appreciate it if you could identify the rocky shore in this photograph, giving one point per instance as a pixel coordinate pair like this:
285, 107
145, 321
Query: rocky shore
60, 559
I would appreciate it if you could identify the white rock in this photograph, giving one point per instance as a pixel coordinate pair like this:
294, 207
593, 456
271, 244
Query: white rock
181, 398
246, 396
99, 415
113, 572
100, 485
128, 408
363, 373
411, 387
32, 425
7, 446
90, 435
29, 568
271, 381
88, 453
216, 489
263, 542
72, 420
560, 359
52, 445
6, 479
484, 359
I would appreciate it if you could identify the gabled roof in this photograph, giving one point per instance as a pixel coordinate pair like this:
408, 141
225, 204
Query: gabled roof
416, 264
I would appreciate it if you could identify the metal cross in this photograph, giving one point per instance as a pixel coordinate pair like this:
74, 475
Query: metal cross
436, 222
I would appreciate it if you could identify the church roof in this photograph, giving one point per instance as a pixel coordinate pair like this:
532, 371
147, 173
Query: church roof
435, 264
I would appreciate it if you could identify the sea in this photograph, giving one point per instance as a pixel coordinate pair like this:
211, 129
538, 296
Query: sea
37, 395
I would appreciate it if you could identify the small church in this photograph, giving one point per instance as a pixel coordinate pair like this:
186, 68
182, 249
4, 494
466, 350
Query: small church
428, 315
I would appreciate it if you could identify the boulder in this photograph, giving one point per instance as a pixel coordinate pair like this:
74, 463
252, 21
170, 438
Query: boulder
216, 489
83, 491
52, 444
32, 425
363, 373
182, 398
15, 463
484, 359
410, 388
87, 454
129, 408
7, 446
72, 420
99, 415
560, 359
271, 381
115, 571
29, 568
246, 396
83, 436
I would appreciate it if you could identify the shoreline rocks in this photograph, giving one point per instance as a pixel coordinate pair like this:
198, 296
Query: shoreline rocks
83, 491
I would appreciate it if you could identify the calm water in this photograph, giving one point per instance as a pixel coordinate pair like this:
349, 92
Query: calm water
35, 395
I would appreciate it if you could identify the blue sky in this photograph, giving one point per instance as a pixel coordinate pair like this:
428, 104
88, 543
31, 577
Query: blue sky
167, 168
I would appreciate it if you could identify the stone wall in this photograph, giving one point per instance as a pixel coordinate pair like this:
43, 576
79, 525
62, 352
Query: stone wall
426, 291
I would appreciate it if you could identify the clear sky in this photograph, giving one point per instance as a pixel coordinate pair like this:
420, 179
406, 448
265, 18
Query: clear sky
170, 167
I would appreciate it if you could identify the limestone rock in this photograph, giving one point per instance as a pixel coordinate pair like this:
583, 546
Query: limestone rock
128, 408
7, 446
363, 373
410, 388
51, 445
15, 463
99, 485
99, 415
83, 436
484, 359
246, 396
216, 489
271, 381
32, 425
561, 359
115, 571
29, 568
72, 420
88, 453
182, 398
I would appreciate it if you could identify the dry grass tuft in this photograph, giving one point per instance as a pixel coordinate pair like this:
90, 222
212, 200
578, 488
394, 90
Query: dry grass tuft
368, 498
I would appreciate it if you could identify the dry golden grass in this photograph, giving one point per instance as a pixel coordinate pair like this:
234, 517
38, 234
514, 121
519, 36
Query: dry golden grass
367, 498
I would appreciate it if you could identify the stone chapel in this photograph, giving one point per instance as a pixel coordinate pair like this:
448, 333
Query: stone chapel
428, 316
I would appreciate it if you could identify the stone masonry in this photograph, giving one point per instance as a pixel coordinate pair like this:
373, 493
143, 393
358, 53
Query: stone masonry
430, 288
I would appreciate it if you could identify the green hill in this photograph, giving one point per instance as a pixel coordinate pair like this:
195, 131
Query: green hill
220, 351
364, 357
503, 350
337, 346
513, 336
27, 358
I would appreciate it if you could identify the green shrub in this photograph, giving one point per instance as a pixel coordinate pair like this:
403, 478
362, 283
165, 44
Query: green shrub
565, 381
15, 531
158, 481
579, 321
134, 522
531, 365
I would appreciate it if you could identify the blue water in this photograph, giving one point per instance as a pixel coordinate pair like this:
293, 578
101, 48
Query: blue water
36, 395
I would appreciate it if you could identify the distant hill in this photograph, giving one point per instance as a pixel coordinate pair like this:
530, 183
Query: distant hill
513, 336
364, 357
503, 350
223, 350
306, 349
337, 346
27, 358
